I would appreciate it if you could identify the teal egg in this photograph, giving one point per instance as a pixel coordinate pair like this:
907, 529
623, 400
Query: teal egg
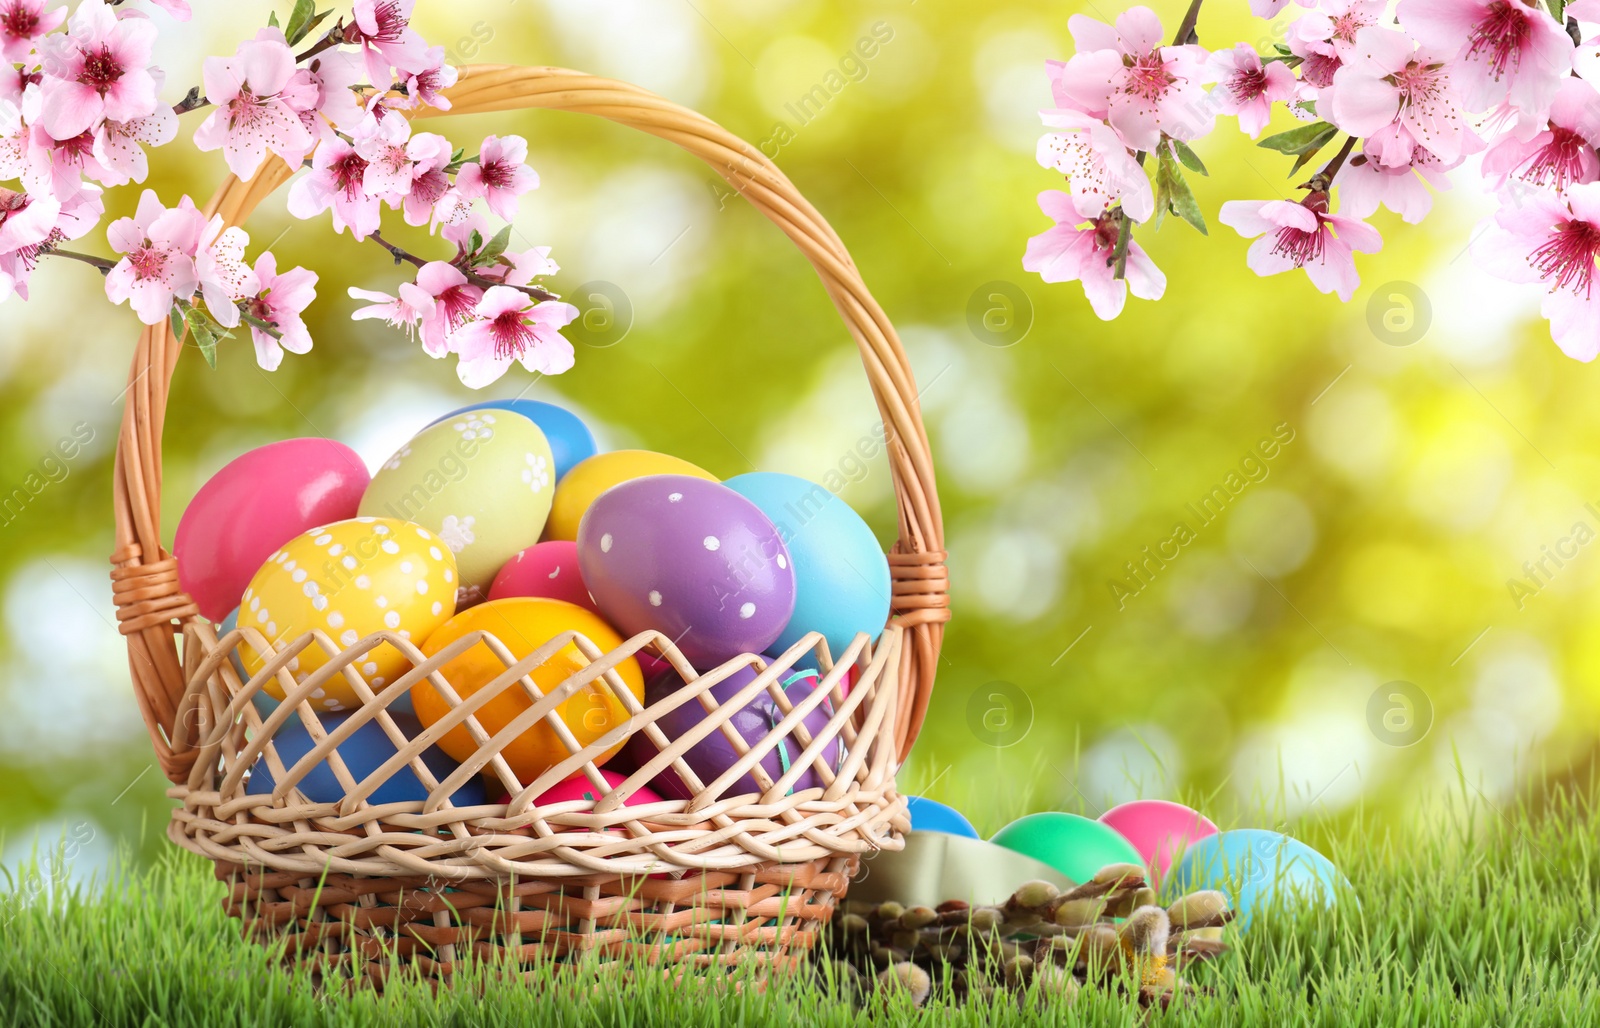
841, 574
570, 439
1075, 846
1257, 869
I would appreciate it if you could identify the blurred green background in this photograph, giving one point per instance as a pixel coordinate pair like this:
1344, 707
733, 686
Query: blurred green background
1437, 440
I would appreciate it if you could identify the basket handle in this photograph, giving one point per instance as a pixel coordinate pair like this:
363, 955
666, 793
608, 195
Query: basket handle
150, 605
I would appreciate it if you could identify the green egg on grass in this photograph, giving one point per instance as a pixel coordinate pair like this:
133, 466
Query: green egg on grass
1075, 846
481, 480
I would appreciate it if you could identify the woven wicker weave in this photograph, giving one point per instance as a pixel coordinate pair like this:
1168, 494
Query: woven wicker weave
716, 879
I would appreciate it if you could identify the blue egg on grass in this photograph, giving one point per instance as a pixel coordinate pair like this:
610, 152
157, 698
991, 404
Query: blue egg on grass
570, 439
933, 816
841, 575
363, 753
1257, 869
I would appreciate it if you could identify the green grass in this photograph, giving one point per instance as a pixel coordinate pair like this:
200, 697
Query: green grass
1473, 915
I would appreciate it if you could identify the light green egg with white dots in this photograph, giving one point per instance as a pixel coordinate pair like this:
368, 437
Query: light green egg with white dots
481, 480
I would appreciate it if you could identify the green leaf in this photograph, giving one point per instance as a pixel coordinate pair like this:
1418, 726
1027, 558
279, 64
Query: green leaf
1190, 159
204, 338
474, 242
300, 20
495, 248
177, 321
1305, 139
272, 20
1173, 194
1557, 10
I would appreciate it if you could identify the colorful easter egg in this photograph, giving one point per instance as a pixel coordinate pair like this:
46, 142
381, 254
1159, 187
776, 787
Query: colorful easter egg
349, 580
1259, 870
691, 559
570, 439
256, 503
264, 702
841, 575
367, 749
548, 569
580, 488
932, 816
522, 625
580, 788
483, 481
1160, 830
712, 756
1073, 845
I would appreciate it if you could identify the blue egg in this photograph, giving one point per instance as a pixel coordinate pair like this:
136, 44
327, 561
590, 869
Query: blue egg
570, 439
933, 816
841, 575
363, 753
1257, 868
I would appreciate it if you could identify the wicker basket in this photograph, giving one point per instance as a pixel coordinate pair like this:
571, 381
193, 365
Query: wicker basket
717, 879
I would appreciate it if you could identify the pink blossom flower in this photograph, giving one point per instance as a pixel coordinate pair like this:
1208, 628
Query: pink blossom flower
178, 9
1097, 165
15, 137
383, 31
160, 244
451, 209
499, 175
21, 218
405, 311
1248, 88
337, 172
257, 109
454, 299
59, 166
425, 86
508, 326
521, 267
280, 302
430, 154
1384, 79
99, 69
387, 148
1366, 184
225, 277
1501, 49
1321, 38
1554, 240
22, 24
117, 146
1071, 251
322, 94
1303, 235
1564, 153
1142, 87
25, 220
1270, 8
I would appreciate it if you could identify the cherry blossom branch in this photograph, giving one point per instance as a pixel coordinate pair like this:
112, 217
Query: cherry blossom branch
1186, 33
1324, 178
104, 266
265, 326
194, 100
403, 256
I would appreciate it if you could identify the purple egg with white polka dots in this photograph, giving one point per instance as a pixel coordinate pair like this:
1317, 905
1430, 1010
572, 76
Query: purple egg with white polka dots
691, 559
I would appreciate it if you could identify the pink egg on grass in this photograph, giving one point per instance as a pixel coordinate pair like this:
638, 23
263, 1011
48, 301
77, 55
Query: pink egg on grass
548, 569
1159, 829
256, 503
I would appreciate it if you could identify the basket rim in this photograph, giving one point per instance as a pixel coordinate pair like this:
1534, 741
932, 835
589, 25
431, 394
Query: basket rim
152, 610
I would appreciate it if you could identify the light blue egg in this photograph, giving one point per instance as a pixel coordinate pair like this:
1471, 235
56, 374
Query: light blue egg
841, 575
363, 753
1262, 869
933, 816
570, 439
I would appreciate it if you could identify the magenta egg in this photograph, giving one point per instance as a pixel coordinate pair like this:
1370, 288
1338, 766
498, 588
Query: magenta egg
1159, 829
548, 569
259, 501
691, 559
715, 754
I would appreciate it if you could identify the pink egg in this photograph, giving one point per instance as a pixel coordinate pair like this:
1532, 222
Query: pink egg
1160, 830
579, 787
548, 569
259, 501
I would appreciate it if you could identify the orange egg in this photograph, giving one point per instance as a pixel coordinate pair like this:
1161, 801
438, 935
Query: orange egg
523, 624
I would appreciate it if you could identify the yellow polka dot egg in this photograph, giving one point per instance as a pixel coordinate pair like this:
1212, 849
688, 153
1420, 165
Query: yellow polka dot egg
349, 580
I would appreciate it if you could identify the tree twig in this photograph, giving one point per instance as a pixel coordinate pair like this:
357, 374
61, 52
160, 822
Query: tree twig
1186, 33
266, 326
101, 263
403, 256
1324, 178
